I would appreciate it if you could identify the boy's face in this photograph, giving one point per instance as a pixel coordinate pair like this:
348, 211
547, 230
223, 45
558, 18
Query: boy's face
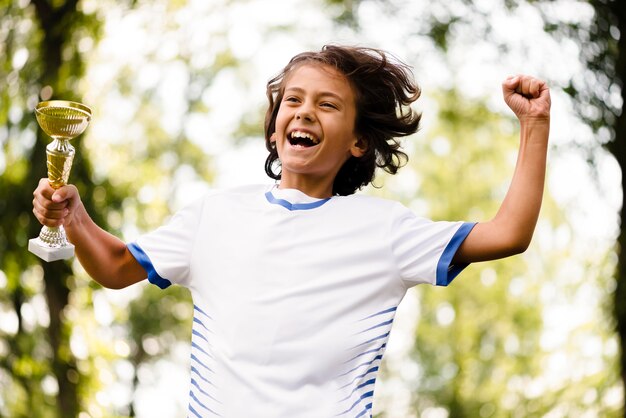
315, 128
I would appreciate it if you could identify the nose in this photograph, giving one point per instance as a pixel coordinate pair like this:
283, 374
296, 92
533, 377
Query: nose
304, 113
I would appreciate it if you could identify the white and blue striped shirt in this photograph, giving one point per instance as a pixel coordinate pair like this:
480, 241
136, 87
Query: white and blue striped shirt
294, 297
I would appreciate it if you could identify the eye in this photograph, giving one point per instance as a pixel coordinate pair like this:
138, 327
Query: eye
329, 105
291, 99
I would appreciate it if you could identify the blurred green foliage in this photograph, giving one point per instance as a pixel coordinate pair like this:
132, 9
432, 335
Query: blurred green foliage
52, 349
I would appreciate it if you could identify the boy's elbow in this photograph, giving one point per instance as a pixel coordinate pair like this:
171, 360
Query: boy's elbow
119, 278
108, 283
116, 285
127, 272
518, 245
520, 248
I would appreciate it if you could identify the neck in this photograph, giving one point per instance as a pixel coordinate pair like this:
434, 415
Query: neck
310, 186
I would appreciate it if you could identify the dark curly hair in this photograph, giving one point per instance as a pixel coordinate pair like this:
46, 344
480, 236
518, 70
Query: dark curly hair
383, 88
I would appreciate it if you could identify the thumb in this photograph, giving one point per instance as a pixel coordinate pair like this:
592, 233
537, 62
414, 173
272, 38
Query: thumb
64, 193
58, 196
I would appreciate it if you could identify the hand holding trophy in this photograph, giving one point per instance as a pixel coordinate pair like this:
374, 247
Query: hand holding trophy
62, 121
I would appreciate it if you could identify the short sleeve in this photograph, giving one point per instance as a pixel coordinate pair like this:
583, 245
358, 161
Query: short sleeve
424, 249
165, 253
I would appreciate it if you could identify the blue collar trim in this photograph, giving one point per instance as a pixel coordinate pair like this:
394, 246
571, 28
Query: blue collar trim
294, 206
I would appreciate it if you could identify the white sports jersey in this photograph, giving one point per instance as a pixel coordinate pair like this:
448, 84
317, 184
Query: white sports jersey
294, 297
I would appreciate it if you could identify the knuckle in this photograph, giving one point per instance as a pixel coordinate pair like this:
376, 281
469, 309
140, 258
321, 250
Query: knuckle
48, 213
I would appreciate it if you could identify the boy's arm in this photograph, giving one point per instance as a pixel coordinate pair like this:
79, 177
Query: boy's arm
104, 256
511, 230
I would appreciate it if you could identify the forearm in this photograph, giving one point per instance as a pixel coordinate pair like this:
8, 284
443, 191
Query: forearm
511, 230
104, 256
518, 214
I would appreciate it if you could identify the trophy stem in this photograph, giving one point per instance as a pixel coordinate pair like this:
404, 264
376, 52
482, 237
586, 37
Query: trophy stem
60, 155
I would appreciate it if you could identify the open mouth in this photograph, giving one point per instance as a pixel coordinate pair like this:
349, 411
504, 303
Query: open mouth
302, 139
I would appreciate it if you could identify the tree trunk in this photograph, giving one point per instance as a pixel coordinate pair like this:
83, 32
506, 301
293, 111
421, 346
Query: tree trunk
620, 274
63, 361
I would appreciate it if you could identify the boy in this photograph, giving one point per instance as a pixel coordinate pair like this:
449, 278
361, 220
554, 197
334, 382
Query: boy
295, 286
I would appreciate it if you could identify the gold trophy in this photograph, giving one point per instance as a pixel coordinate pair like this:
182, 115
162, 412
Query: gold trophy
62, 120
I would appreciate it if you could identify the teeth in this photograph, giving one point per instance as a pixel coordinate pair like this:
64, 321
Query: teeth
298, 134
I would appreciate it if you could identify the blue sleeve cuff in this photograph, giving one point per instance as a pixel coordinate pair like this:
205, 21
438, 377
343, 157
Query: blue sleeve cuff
446, 272
143, 259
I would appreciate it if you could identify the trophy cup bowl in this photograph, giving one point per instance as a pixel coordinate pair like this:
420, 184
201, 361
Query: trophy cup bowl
62, 120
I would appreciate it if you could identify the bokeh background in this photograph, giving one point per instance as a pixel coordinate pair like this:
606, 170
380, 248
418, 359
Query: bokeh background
178, 93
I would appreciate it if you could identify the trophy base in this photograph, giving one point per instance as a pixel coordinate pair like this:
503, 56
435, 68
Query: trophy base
47, 253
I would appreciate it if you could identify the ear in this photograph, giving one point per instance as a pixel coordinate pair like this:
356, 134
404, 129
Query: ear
273, 137
359, 147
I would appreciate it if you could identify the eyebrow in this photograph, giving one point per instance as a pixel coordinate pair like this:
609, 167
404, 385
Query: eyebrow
322, 94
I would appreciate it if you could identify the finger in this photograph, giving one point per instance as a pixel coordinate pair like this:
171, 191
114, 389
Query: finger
44, 189
51, 211
529, 87
44, 220
49, 222
534, 87
524, 86
511, 83
544, 90
43, 199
